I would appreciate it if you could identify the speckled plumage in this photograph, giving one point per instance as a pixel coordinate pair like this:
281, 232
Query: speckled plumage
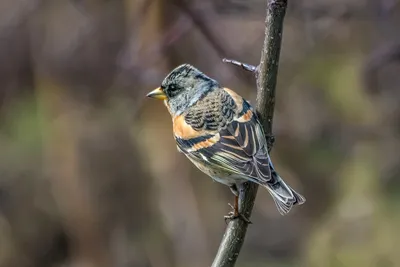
212, 112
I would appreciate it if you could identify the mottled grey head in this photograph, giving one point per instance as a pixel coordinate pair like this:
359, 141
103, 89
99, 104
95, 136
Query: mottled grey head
183, 87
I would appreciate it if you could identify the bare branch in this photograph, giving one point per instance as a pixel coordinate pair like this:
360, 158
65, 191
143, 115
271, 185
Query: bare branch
266, 76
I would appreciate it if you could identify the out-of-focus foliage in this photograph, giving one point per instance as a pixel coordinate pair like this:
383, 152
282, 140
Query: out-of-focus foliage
89, 172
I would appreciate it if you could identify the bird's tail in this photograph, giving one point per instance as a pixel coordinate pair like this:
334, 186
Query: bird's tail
284, 196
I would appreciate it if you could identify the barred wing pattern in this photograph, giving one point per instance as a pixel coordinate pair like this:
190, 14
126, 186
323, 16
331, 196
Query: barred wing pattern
231, 140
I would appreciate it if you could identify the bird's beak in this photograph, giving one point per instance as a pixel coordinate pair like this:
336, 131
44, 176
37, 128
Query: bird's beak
157, 94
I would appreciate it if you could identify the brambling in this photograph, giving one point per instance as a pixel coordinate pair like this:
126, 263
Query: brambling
218, 130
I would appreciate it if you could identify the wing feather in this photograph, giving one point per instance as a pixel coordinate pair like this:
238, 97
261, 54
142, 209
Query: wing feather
234, 141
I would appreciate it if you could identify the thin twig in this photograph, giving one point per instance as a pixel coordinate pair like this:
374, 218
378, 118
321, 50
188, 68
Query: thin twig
266, 74
244, 66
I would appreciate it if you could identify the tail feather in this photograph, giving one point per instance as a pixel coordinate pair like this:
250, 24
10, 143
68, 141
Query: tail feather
283, 195
285, 198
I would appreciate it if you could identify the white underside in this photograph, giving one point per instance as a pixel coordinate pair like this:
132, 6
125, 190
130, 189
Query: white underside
230, 180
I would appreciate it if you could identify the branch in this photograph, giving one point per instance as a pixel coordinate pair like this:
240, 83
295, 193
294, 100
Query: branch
266, 75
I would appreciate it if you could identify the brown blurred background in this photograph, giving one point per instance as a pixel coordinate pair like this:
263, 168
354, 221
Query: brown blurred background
89, 171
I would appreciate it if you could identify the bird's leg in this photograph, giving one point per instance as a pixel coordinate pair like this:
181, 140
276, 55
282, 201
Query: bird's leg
234, 214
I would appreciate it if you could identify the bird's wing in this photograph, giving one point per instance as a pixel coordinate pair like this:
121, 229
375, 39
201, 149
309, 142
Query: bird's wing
223, 130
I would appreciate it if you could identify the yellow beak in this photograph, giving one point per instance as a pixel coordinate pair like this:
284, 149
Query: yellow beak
157, 94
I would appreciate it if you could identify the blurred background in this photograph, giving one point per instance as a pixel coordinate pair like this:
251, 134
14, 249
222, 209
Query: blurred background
89, 171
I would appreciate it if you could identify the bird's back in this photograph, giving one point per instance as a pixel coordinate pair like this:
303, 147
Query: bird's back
211, 113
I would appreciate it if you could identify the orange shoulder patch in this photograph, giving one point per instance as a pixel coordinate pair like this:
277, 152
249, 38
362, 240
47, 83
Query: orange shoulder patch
246, 117
239, 102
237, 98
183, 130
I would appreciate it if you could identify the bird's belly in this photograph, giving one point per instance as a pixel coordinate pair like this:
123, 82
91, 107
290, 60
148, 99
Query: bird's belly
218, 175
229, 179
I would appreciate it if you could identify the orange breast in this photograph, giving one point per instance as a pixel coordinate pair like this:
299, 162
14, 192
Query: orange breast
185, 131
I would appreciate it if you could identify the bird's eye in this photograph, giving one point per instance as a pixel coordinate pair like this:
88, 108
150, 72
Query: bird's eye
173, 90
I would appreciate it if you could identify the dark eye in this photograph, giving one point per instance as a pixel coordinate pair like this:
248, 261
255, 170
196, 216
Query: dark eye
172, 90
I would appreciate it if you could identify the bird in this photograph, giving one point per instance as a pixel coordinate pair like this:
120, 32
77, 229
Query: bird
221, 134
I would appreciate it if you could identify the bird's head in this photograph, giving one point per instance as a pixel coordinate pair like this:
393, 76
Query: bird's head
183, 87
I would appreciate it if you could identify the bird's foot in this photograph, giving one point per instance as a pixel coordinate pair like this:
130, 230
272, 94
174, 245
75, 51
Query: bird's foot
234, 214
